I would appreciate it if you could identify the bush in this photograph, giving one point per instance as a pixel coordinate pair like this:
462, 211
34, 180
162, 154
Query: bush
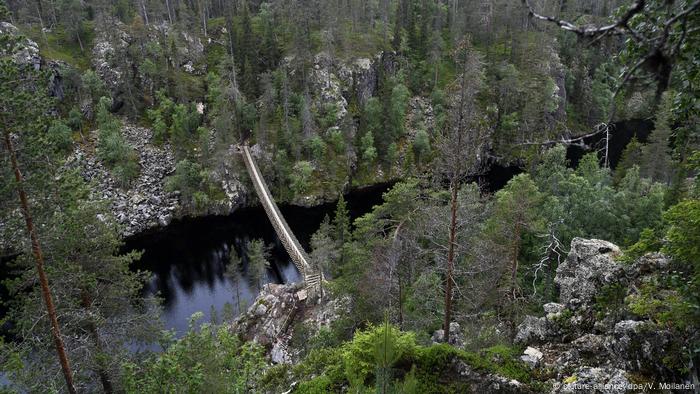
112, 149
60, 136
391, 359
300, 177
212, 360
192, 181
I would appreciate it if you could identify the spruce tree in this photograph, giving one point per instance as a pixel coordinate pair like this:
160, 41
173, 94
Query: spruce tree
656, 154
631, 156
258, 263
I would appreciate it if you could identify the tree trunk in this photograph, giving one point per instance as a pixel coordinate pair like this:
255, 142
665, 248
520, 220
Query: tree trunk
450, 260
39, 259
400, 302
167, 5
514, 260
80, 42
145, 12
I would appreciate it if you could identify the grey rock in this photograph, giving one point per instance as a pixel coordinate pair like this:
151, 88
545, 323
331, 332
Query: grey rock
456, 338
531, 330
145, 203
484, 383
269, 320
553, 307
164, 220
594, 380
589, 266
26, 52
532, 356
627, 327
279, 353
260, 309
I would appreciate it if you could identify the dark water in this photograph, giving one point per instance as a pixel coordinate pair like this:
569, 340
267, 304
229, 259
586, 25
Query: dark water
621, 133
188, 258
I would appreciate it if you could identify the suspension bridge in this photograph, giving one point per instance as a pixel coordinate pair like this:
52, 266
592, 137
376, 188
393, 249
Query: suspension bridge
300, 258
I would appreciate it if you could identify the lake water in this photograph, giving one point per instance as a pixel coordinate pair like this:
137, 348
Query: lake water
188, 258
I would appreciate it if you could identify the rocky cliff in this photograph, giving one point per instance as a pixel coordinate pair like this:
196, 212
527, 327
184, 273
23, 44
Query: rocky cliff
587, 342
591, 339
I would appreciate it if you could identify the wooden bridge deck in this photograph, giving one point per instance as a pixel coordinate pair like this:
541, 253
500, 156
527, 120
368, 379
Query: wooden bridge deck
298, 255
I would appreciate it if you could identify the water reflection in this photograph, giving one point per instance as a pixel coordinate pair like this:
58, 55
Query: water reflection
188, 259
189, 262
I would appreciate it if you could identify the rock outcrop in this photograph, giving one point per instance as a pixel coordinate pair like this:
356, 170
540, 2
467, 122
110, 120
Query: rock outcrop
589, 266
579, 345
279, 310
27, 52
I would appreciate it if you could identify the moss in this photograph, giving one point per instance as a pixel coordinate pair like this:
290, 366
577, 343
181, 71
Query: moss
56, 45
329, 368
502, 360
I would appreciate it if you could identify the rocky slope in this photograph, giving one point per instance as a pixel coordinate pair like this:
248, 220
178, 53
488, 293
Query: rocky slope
585, 343
145, 203
588, 341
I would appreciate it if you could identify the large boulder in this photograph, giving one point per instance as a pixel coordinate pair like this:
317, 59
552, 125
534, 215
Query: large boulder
278, 311
589, 266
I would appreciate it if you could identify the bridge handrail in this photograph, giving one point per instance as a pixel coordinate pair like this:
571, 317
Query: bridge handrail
276, 216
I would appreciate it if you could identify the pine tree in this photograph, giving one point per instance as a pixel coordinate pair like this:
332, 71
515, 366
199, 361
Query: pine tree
459, 144
233, 272
98, 303
258, 261
341, 221
29, 109
324, 250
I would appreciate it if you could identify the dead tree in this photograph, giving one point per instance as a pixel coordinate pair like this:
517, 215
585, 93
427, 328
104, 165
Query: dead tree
461, 145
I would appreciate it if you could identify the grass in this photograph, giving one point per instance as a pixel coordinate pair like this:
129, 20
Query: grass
57, 45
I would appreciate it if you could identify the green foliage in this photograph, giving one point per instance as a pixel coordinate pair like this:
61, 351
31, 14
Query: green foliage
649, 241
683, 237
197, 191
585, 203
368, 362
112, 148
656, 154
258, 261
631, 156
610, 300
301, 177
60, 136
386, 353
663, 306
61, 43
211, 359
177, 123
421, 146
4, 12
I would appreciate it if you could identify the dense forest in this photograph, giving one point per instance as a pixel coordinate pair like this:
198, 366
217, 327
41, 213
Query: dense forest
576, 269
